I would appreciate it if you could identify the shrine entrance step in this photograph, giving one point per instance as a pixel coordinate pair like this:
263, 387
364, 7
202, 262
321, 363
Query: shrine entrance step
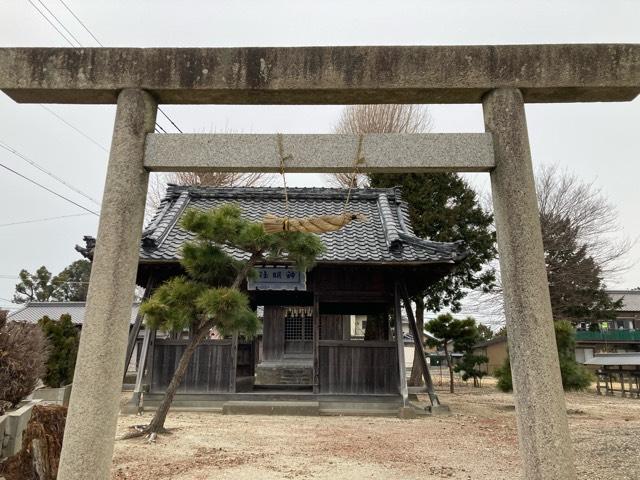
252, 407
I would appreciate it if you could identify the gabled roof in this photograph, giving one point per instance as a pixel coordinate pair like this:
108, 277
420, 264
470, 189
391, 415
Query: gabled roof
630, 299
34, 311
385, 237
493, 341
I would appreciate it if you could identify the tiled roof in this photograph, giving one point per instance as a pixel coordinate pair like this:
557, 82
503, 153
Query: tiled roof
493, 341
630, 299
34, 311
385, 237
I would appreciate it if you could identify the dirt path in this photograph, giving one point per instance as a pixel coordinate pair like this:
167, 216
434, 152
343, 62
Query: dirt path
477, 441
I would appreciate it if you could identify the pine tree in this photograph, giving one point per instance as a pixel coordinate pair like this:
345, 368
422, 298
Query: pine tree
469, 367
63, 339
576, 287
210, 293
36, 287
462, 334
70, 285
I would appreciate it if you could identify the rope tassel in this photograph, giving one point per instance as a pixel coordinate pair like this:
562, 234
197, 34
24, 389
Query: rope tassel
319, 224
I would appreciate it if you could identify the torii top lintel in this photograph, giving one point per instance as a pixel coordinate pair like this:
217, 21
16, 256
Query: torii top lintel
323, 75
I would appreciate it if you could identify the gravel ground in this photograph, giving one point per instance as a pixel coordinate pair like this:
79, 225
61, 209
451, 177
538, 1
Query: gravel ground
477, 441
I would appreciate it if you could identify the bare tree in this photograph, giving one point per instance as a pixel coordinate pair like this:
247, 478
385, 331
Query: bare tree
562, 195
158, 182
389, 118
579, 214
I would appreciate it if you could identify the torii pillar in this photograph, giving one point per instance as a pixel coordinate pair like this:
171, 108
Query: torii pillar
545, 444
95, 398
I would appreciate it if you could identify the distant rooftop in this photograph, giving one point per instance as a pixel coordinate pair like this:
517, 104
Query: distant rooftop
615, 359
34, 311
630, 299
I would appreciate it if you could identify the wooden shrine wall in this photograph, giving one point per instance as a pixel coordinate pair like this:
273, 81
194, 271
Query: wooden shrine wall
210, 369
358, 367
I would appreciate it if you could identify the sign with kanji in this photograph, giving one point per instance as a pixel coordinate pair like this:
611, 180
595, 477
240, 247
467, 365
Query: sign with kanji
278, 278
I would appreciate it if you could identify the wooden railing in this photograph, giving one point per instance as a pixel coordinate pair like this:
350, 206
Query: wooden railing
608, 336
357, 367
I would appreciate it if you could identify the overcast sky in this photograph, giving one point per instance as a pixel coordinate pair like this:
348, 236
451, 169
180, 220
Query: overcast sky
597, 141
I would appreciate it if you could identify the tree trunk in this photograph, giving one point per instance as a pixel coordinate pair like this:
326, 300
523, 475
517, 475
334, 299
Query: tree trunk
416, 379
448, 357
157, 423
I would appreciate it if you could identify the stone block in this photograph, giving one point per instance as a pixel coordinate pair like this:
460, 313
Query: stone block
59, 396
13, 424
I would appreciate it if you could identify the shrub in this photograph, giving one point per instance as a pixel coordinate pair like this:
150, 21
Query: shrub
23, 355
574, 375
63, 338
503, 375
41, 446
469, 367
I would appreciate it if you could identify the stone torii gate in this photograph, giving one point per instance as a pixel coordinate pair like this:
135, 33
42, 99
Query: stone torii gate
502, 78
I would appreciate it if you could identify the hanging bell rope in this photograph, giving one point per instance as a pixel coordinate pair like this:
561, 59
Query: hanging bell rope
315, 224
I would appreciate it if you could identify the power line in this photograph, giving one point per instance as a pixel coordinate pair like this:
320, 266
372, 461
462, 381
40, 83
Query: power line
95, 142
172, 122
47, 172
13, 277
59, 22
100, 43
49, 190
51, 23
38, 220
81, 23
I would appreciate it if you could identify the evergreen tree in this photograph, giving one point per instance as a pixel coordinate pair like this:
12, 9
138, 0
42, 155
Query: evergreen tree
63, 339
442, 207
72, 283
485, 333
574, 375
576, 286
462, 334
210, 294
36, 287
469, 367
